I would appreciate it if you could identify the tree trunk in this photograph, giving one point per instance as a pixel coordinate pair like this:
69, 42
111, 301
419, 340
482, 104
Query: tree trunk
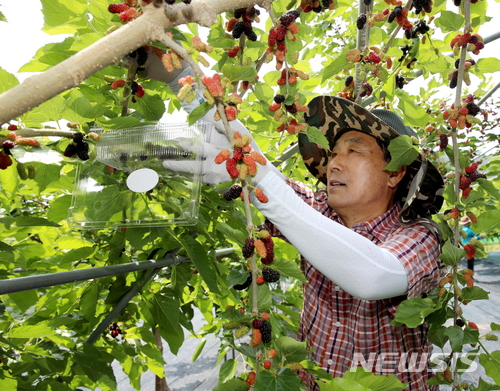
160, 383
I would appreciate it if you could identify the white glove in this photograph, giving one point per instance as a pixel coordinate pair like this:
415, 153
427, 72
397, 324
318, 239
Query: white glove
212, 173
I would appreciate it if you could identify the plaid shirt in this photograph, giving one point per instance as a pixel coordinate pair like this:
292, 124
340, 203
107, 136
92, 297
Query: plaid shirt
343, 331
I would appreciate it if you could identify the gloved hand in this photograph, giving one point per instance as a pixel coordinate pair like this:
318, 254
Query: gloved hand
212, 173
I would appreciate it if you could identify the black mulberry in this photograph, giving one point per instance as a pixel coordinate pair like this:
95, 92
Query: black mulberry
270, 275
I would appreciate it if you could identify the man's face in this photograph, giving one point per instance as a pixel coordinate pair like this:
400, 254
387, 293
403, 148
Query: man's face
359, 189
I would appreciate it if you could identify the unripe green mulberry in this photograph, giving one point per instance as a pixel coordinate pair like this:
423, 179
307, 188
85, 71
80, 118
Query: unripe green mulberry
31, 171
21, 170
241, 331
231, 325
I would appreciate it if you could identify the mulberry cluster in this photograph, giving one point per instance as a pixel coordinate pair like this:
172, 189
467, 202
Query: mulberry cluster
453, 75
26, 171
470, 175
400, 82
420, 28
400, 15
115, 330
244, 26
276, 46
141, 56
125, 11
422, 5
316, 5
79, 147
244, 159
170, 59
12, 140
473, 41
464, 116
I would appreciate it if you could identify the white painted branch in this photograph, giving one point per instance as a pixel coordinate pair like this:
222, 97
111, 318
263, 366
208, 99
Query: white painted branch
148, 28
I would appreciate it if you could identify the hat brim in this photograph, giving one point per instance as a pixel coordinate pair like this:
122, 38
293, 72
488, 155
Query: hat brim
334, 116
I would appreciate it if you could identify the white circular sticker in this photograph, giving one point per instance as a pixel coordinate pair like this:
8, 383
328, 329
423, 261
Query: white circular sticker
142, 180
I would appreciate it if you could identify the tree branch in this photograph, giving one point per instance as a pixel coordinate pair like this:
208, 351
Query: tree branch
150, 27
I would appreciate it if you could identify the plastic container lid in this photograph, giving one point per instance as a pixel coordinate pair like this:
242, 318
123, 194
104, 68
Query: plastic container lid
125, 184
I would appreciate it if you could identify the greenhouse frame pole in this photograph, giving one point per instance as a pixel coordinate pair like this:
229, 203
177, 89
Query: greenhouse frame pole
21, 284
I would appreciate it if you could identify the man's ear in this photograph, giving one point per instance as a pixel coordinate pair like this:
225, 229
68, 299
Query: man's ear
396, 176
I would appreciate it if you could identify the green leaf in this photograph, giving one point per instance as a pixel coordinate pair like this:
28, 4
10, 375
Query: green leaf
439, 65
25, 299
489, 187
334, 68
289, 268
438, 336
487, 65
403, 153
154, 360
474, 293
264, 297
30, 331
412, 312
88, 303
451, 254
151, 106
491, 364
6, 248
203, 263
263, 92
46, 174
495, 326
450, 21
34, 222
228, 370
238, 72
285, 380
315, 136
292, 350
232, 385
483, 385
374, 382
7, 80
199, 349
414, 115
166, 312
199, 112
456, 336
8, 383
488, 221
237, 235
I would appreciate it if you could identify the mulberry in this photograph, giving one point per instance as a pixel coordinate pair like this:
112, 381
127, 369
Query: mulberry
257, 323
464, 182
360, 23
256, 337
279, 98
77, 137
233, 193
248, 248
270, 275
266, 331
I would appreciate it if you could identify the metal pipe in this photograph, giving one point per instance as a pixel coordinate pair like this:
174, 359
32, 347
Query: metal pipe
21, 284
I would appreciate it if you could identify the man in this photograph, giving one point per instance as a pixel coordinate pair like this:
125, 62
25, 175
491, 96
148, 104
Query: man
367, 242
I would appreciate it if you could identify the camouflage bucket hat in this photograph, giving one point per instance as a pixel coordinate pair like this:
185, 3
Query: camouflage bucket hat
334, 116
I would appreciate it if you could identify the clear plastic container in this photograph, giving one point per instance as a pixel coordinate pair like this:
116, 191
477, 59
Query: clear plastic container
103, 196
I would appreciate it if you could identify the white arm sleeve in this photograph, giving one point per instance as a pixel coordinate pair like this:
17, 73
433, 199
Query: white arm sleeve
353, 262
